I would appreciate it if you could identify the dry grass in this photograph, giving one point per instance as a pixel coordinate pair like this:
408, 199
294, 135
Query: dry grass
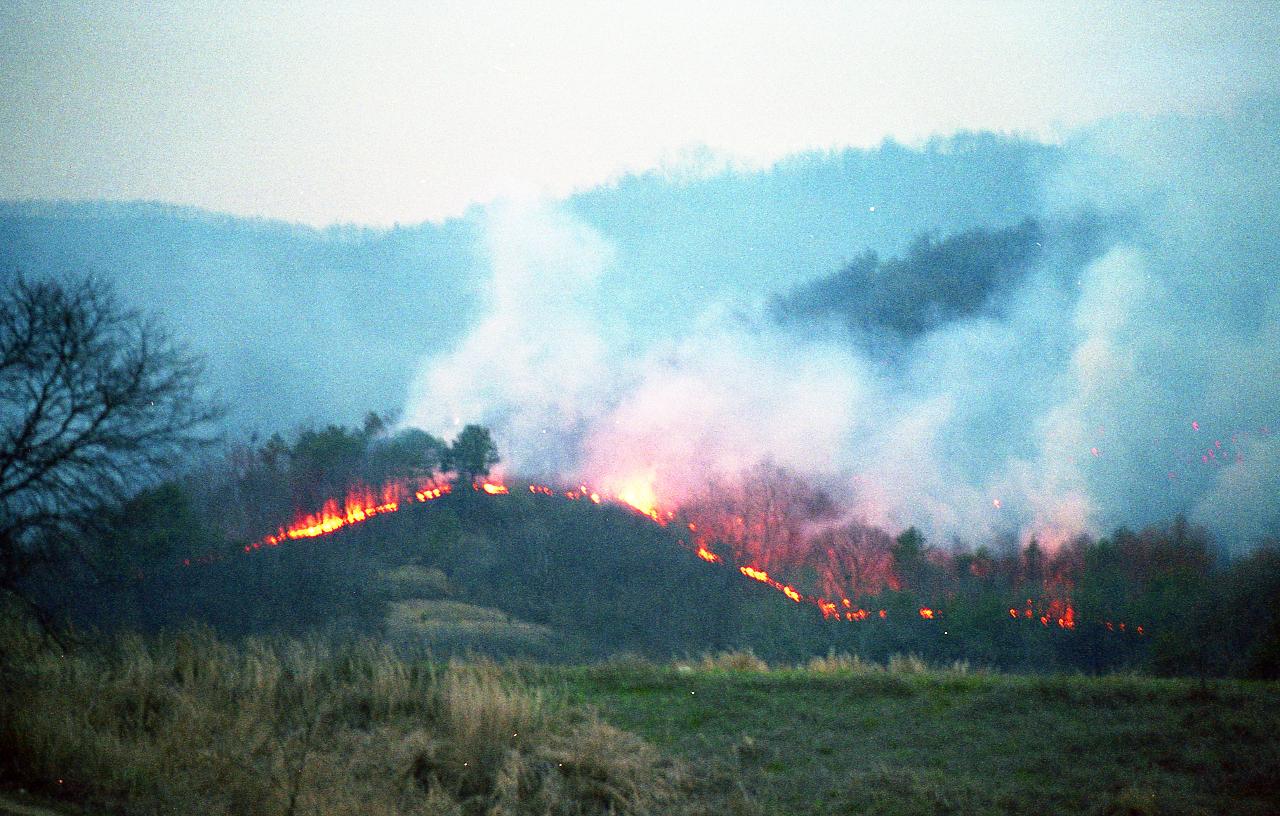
907, 664
191, 724
740, 660
840, 663
413, 581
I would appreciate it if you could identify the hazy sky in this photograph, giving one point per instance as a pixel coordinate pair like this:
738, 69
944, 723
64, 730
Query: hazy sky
378, 112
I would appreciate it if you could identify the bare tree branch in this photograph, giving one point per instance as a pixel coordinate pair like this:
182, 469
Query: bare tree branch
95, 401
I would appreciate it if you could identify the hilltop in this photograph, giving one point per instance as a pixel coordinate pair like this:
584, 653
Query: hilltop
517, 574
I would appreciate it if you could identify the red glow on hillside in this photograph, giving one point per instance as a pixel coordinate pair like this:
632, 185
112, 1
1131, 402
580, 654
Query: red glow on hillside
844, 557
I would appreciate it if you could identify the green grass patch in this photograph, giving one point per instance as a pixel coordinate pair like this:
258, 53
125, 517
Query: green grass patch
921, 741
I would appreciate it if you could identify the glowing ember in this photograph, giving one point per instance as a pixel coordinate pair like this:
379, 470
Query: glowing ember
785, 589
926, 613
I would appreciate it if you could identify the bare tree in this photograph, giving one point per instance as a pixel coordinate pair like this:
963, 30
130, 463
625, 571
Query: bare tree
762, 514
95, 401
859, 559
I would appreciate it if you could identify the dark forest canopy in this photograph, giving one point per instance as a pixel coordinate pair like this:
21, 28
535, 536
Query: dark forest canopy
940, 279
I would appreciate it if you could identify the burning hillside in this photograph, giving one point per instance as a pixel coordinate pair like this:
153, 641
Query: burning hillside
769, 524
1061, 369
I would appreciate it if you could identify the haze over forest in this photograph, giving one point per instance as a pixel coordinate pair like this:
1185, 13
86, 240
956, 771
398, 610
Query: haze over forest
982, 335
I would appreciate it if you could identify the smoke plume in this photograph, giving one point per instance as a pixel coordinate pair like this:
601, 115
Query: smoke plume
1109, 357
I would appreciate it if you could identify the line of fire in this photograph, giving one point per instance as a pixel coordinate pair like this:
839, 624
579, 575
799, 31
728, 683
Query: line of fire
753, 549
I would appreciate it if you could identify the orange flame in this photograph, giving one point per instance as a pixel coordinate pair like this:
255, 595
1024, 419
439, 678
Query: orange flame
362, 503
359, 505
763, 577
638, 494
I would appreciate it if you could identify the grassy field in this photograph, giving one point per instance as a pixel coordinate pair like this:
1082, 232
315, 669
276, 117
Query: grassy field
841, 737
190, 724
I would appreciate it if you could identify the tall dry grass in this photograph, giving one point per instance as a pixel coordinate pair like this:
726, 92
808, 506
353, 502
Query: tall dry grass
189, 723
737, 660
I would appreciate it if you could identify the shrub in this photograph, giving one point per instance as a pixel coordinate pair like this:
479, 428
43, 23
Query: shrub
907, 664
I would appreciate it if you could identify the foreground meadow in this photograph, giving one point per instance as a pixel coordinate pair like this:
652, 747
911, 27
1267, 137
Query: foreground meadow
191, 724
839, 736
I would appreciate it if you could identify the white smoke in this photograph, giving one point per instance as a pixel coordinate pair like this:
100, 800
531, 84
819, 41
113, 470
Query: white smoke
1069, 410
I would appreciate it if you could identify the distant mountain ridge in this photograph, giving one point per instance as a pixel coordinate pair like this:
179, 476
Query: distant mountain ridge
304, 324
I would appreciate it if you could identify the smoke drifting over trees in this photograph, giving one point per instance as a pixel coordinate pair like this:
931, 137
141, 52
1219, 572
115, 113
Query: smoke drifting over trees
982, 337
1095, 360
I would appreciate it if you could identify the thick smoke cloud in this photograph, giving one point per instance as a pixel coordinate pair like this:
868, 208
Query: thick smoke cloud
306, 326
1111, 361
983, 336
537, 367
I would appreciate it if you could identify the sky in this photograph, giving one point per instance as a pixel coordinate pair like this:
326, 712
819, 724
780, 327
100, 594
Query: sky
399, 113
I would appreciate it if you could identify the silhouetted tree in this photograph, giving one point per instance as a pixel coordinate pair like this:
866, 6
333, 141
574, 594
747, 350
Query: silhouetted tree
910, 563
95, 402
410, 452
1033, 565
472, 454
324, 463
762, 515
858, 559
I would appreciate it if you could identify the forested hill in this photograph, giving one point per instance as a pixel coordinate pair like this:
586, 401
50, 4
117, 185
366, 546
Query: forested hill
557, 576
294, 324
